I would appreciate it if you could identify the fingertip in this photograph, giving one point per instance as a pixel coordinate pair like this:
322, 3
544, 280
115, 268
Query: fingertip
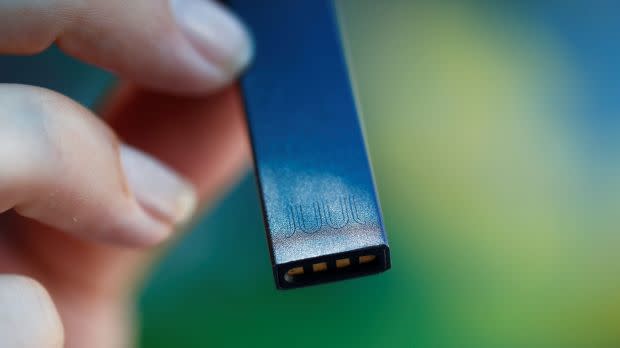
134, 227
159, 189
193, 47
213, 128
29, 316
216, 33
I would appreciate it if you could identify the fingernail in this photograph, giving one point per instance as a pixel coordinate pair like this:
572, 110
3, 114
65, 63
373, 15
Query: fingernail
158, 188
215, 33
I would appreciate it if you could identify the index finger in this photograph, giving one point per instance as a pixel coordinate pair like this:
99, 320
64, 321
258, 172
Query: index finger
180, 46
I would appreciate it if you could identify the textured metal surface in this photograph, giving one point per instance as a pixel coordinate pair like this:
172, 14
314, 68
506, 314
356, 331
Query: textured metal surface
313, 172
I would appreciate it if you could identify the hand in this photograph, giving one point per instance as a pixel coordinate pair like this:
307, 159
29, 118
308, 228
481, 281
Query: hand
80, 208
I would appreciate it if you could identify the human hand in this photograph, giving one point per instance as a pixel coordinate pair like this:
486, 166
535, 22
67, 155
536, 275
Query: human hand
81, 208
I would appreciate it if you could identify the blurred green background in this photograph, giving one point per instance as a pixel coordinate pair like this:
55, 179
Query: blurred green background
493, 132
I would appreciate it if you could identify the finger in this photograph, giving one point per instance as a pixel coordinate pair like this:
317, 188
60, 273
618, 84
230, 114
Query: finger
28, 317
207, 142
185, 46
62, 166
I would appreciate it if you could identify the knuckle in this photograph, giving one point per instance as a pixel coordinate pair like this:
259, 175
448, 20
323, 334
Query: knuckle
24, 138
44, 125
46, 136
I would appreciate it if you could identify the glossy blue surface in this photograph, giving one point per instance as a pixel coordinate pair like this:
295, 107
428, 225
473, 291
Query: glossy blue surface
311, 161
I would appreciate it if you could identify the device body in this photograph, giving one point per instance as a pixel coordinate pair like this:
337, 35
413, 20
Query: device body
319, 204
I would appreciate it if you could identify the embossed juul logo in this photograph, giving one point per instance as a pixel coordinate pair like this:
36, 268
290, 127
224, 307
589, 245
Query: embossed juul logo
323, 214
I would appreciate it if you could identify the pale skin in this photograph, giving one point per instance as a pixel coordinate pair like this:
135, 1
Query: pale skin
86, 203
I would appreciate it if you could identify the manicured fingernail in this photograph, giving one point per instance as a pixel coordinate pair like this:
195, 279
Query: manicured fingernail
158, 188
215, 33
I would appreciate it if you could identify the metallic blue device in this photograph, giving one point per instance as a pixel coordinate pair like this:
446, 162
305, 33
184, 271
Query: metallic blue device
319, 203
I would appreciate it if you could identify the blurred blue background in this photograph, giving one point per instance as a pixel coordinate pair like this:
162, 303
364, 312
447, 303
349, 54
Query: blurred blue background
493, 129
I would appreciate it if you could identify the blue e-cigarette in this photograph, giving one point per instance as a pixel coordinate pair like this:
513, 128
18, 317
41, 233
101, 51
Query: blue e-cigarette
319, 204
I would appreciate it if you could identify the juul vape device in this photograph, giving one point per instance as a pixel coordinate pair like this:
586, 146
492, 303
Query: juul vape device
319, 204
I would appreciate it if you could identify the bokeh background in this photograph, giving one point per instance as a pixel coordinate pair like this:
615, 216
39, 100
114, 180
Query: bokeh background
493, 129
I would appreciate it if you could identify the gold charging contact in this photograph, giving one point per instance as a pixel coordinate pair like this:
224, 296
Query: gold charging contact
298, 273
367, 259
319, 267
342, 263
295, 271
